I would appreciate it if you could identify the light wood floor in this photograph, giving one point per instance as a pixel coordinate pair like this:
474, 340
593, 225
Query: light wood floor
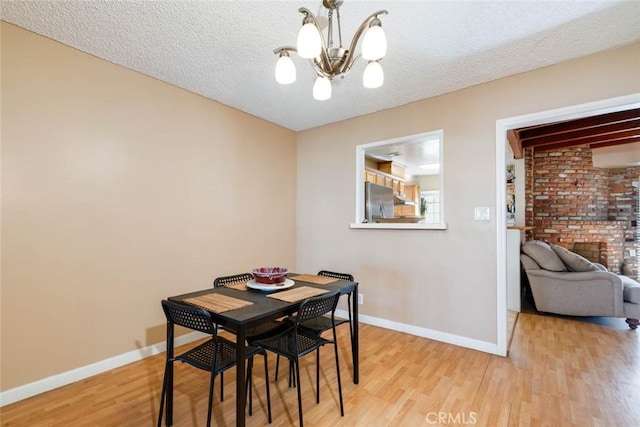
512, 319
559, 372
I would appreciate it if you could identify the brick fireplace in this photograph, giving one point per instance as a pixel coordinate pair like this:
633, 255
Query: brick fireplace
570, 202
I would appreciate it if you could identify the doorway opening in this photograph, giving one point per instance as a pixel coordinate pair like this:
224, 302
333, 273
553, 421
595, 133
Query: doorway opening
503, 126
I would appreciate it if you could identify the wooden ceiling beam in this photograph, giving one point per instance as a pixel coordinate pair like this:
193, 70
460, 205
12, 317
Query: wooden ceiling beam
515, 143
578, 124
604, 132
609, 143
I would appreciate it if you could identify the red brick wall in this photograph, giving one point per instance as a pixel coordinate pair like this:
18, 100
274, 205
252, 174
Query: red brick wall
569, 200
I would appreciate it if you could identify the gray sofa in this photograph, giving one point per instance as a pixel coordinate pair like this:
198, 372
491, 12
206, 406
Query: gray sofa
563, 282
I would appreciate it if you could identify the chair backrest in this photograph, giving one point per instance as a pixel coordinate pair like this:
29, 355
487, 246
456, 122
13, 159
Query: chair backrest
342, 276
236, 278
318, 306
189, 316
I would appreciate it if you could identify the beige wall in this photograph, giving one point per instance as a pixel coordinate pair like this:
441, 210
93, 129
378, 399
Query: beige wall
429, 182
617, 156
439, 280
119, 190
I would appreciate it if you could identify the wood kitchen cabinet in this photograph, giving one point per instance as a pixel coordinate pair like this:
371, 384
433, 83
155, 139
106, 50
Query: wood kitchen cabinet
384, 179
412, 192
392, 168
370, 176
396, 186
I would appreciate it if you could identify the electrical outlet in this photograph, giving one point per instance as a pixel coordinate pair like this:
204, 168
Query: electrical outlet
360, 299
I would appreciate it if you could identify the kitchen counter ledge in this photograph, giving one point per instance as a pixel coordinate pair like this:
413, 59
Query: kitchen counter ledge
397, 226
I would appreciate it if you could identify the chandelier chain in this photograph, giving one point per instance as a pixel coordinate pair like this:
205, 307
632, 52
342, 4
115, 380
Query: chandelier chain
330, 29
339, 27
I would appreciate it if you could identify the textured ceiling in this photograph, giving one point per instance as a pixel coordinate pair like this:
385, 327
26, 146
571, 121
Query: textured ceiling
223, 50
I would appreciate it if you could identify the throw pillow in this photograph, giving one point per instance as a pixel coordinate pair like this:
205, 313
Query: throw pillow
542, 253
573, 261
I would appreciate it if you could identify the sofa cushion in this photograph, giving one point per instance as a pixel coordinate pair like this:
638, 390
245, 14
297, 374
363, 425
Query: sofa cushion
631, 290
542, 253
600, 266
528, 263
572, 260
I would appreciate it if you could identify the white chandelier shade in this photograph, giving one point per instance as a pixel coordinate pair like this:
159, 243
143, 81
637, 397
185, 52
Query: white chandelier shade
329, 59
374, 43
373, 75
309, 42
322, 89
285, 69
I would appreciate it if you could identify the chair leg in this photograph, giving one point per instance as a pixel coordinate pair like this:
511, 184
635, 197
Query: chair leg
221, 386
292, 379
297, 368
277, 366
318, 375
633, 323
162, 394
335, 346
210, 406
292, 375
266, 381
249, 388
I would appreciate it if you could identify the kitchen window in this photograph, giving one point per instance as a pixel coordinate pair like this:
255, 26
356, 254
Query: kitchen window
393, 175
432, 204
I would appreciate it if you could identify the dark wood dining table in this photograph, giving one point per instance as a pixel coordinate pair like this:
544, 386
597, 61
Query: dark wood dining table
263, 309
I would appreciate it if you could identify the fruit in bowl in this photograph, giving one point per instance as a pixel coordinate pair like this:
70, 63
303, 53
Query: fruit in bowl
270, 275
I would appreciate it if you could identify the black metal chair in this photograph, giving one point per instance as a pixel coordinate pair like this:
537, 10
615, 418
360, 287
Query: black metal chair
253, 333
325, 323
298, 341
215, 355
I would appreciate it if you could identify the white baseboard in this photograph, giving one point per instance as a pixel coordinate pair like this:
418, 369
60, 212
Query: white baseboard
418, 331
23, 392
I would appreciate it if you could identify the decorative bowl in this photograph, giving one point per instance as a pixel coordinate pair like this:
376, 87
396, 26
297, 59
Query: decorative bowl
270, 275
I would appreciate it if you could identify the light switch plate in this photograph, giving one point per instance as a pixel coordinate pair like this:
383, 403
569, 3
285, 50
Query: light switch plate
482, 214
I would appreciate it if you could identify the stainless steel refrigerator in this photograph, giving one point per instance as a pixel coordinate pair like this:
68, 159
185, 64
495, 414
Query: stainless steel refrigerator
378, 202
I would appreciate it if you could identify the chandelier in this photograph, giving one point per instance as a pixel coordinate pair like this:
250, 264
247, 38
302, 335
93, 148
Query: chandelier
330, 60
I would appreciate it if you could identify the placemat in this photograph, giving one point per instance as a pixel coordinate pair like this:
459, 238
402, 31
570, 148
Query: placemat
217, 303
312, 278
240, 286
298, 294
